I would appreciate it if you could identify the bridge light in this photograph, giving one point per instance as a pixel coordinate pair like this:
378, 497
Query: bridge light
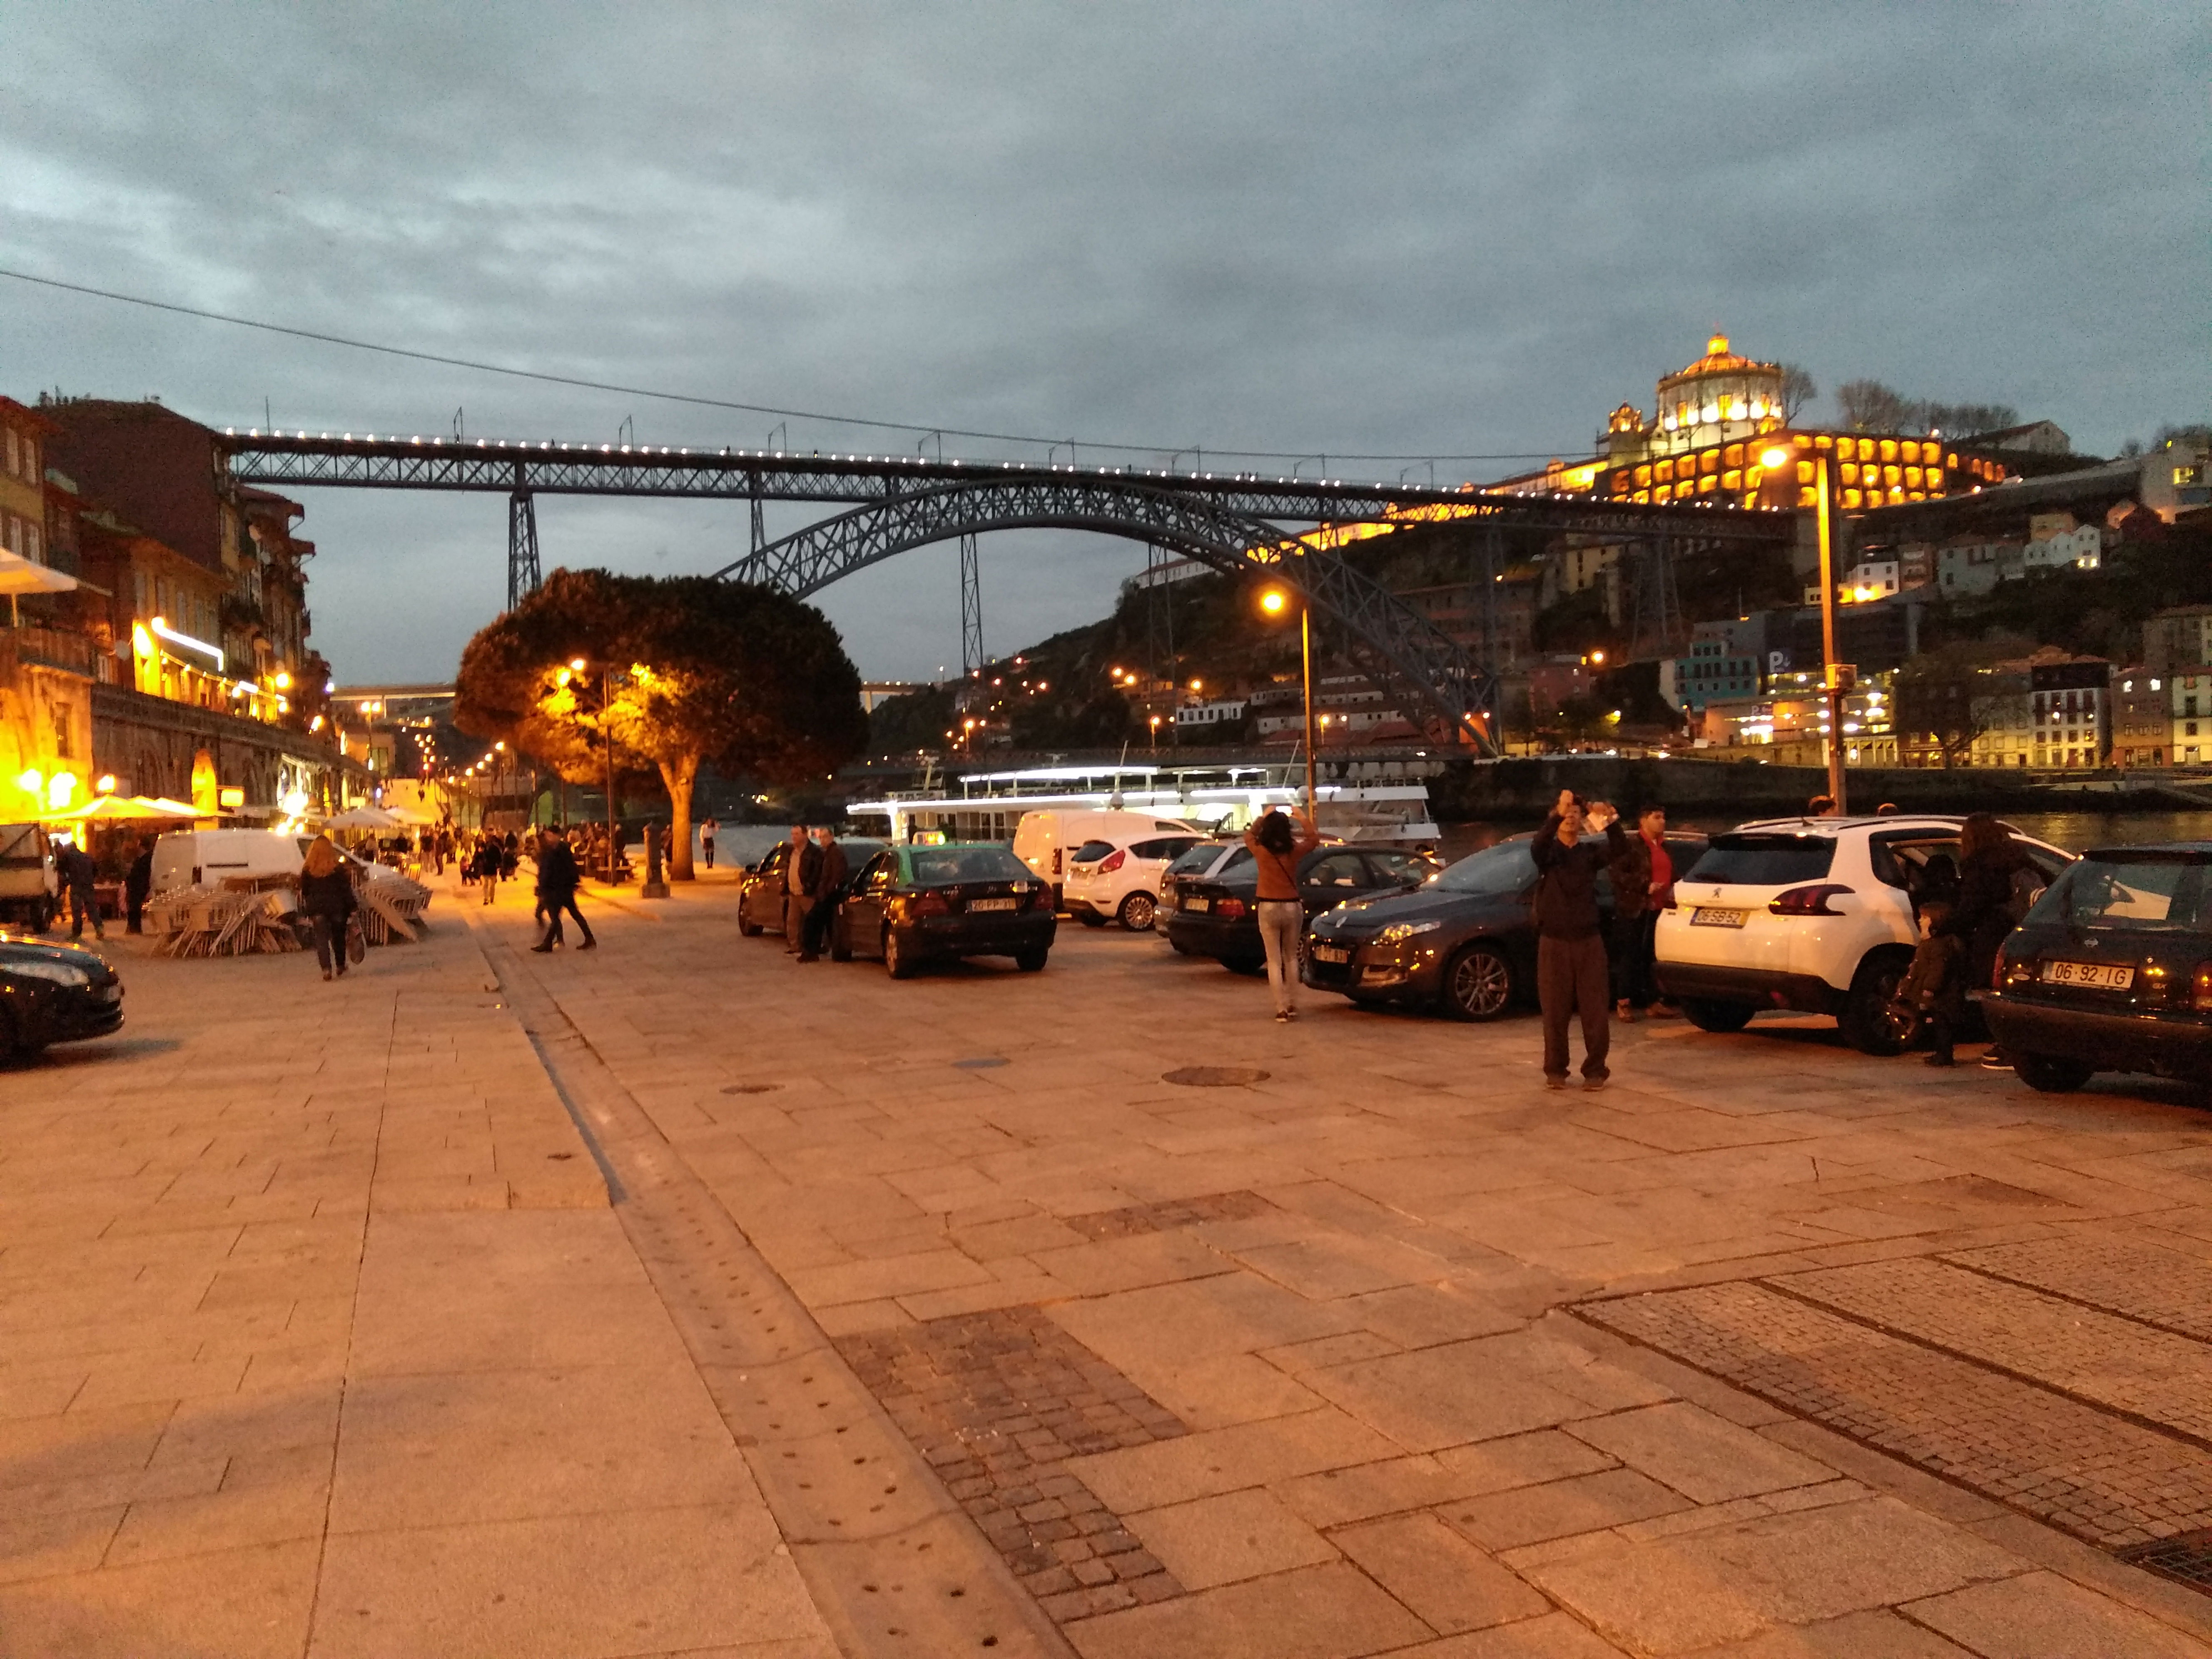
1273, 601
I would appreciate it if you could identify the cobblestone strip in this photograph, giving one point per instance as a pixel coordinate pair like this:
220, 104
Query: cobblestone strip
2076, 1350
1165, 1218
997, 1402
2102, 1477
2145, 1282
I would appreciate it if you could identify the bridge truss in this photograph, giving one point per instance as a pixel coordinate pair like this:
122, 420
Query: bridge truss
1236, 523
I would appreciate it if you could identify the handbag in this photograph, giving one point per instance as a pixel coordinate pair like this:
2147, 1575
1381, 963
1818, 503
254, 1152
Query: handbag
356, 941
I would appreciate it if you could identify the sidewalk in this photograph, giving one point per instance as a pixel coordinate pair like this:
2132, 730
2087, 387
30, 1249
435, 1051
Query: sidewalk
318, 1335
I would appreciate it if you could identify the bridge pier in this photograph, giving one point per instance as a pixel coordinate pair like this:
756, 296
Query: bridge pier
523, 577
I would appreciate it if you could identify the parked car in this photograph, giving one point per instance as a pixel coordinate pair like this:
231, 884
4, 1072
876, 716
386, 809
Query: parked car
1213, 914
53, 994
1821, 916
761, 895
1462, 943
1045, 839
30, 890
1116, 878
914, 905
2112, 970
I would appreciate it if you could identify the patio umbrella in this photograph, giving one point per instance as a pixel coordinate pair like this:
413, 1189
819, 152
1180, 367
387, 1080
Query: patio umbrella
20, 576
117, 808
362, 818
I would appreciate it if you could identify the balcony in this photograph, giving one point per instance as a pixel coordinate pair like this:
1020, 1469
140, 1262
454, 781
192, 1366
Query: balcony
48, 647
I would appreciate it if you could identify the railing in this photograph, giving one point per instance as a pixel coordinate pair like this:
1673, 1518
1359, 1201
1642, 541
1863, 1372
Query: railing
47, 648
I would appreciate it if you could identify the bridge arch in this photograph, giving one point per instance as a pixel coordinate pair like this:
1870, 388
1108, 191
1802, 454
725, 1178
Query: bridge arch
1394, 643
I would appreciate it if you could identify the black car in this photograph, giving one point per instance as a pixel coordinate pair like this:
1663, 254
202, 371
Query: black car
1213, 914
1462, 943
910, 905
760, 898
2112, 970
53, 994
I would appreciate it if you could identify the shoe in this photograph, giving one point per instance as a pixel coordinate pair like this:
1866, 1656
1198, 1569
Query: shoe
1550, 1082
541, 950
1626, 1010
589, 944
1996, 1060
1290, 1013
1940, 1057
326, 974
1592, 1084
1281, 1019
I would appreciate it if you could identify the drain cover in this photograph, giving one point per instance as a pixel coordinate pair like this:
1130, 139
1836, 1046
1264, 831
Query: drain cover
2185, 1556
1214, 1077
980, 1063
750, 1088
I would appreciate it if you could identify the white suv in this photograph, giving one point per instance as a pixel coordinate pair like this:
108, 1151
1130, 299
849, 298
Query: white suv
1820, 916
1116, 878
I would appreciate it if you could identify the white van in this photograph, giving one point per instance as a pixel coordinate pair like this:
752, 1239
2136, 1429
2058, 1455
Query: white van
1045, 839
30, 890
190, 858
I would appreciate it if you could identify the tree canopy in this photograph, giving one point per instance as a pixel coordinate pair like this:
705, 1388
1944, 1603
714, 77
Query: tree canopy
676, 673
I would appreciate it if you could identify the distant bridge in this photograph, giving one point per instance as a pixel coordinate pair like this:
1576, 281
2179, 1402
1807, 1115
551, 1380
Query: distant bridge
1234, 522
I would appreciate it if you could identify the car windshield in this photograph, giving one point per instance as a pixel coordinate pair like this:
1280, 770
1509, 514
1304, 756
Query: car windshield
2158, 892
1090, 852
1195, 861
1505, 868
938, 866
1757, 860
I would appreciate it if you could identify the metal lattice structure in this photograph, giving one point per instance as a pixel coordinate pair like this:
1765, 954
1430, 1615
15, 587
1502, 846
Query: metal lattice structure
1397, 646
523, 576
972, 659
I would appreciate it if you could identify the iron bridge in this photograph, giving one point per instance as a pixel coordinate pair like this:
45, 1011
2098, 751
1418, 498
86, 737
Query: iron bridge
1233, 522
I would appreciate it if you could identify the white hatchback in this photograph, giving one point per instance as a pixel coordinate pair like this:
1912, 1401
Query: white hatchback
1820, 916
1117, 878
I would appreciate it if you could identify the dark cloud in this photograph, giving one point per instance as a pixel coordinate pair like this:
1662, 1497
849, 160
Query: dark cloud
1301, 228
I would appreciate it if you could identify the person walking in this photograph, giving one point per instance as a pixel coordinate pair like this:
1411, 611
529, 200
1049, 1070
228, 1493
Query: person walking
137, 883
1279, 842
79, 873
558, 878
707, 842
1571, 965
828, 881
799, 865
489, 858
328, 901
1642, 886
1992, 871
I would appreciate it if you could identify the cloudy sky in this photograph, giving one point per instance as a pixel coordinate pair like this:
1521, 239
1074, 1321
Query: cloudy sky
1458, 229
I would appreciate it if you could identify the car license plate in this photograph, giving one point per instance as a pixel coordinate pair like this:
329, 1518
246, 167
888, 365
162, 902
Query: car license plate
2100, 976
1706, 915
991, 904
1331, 953
1198, 904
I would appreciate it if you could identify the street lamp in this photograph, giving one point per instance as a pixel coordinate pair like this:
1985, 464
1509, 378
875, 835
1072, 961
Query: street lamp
1835, 677
1275, 602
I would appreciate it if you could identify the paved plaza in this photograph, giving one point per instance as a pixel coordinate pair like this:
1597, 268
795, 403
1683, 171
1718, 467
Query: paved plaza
678, 1298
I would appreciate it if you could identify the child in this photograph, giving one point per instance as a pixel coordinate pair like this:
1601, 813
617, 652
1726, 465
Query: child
1931, 983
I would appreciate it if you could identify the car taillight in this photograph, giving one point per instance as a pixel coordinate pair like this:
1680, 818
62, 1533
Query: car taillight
1808, 900
929, 904
2200, 988
1040, 899
2003, 973
1231, 907
1112, 861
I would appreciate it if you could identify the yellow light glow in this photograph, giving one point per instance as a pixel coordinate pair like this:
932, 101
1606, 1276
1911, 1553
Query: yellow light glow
31, 781
1272, 600
59, 788
106, 784
283, 681
1777, 456
576, 663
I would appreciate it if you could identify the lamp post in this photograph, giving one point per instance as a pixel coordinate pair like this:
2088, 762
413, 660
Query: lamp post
1835, 678
1273, 602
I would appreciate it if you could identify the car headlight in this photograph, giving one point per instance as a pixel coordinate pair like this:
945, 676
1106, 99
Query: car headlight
1404, 930
60, 972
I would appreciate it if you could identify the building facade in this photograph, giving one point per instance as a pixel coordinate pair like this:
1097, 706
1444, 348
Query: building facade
2190, 692
2142, 717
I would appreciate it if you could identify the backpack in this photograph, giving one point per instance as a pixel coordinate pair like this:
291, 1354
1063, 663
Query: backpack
2027, 886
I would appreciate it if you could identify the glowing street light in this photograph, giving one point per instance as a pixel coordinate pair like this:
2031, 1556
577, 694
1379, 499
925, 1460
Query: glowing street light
1274, 601
1835, 677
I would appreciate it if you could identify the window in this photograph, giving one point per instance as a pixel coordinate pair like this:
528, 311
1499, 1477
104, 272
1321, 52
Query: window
1763, 860
11, 451
1090, 852
1338, 869
1506, 868
2167, 892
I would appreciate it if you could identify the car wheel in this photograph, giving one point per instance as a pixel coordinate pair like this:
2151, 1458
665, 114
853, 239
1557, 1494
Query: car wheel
1708, 1015
898, 961
1138, 911
1090, 918
746, 924
12, 1046
841, 943
1478, 983
2051, 1074
1872, 1023
1031, 961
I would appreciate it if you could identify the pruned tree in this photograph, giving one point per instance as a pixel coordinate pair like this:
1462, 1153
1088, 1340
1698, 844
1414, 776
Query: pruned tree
1798, 389
1870, 406
677, 672
1946, 696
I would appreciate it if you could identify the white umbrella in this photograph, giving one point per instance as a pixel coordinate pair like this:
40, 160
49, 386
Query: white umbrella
20, 576
124, 807
362, 818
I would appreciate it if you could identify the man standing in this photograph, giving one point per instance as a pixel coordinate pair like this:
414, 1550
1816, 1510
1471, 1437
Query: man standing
1642, 886
828, 881
137, 883
799, 865
707, 842
1570, 966
78, 872
558, 878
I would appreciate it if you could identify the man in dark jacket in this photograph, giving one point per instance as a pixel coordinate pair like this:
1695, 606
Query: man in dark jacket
828, 880
78, 874
1571, 963
138, 884
558, 878
1643, 886
801, 867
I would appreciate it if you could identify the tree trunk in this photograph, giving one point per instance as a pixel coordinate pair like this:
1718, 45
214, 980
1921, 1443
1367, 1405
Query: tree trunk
678, 776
